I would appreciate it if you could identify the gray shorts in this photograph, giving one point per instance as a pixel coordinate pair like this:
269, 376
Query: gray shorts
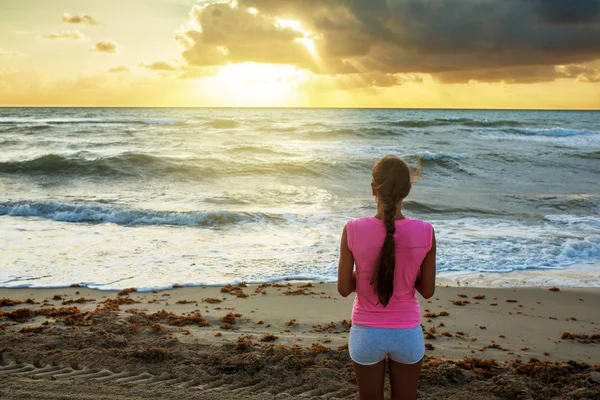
369, 345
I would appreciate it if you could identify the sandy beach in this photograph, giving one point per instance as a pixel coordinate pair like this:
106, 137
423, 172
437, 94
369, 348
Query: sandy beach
288, 340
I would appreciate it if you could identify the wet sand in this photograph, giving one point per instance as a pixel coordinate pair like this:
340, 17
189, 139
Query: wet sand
288, 342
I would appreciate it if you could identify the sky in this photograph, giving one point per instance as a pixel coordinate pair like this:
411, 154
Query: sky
301, 53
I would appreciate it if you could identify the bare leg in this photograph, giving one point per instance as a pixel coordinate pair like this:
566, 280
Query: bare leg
404, 379
370, 380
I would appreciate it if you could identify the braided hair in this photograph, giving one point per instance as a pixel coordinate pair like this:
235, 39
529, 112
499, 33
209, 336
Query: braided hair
392, 181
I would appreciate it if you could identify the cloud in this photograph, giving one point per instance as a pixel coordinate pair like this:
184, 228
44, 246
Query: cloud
78, 19
582, 73
568, 12
195, 73
453, 40
5, 53
106, 46
160, 66
72, 35
119, 69
235, 34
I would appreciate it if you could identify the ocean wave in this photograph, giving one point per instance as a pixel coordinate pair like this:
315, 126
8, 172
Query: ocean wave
120, 215
126, 164
427, 209
222, 123
140, 165
256, 150
553, 132
594, 155
41, 123
438, 156
420, 123
587, 220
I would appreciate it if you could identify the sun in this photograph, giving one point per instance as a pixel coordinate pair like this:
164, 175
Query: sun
253, 84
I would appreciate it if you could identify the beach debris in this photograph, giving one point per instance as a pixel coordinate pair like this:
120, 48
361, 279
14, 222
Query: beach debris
307, 285
434, 315
80, 300
299, 292
464, 296
268, 337
243, 344
113, 304
479, 297
176, 320
186, 302
461, 302
234, 290
126, 291
581, 337
291, 322
219, 334
6, 302
212, 300
493, 346
554, 289
318, 348
429, 346
511, 301
230, 318
32, 329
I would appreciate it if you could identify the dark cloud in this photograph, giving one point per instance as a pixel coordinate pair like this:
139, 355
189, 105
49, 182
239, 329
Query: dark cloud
568, 11
78, 19
105, 46
516, 41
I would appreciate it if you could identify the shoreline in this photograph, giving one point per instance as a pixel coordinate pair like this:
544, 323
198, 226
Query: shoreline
574, 276
309, 304
287, 340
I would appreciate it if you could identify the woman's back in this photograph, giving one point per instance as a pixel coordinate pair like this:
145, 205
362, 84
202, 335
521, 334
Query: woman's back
413, 240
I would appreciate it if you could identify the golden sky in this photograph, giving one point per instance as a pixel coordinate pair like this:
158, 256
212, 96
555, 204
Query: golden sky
315, 53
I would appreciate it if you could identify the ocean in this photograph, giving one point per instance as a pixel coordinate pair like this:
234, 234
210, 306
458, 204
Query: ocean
151, 197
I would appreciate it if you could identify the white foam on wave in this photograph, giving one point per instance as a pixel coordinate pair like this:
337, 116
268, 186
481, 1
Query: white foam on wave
555, 132
102, 213
436, 156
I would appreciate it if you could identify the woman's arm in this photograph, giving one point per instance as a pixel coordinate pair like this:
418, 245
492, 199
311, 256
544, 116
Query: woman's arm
425, 283
346, 274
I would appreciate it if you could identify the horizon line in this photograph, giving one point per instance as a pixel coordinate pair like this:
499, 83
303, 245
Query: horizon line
308, 107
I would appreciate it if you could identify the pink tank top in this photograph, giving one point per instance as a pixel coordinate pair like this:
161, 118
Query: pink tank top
365, 240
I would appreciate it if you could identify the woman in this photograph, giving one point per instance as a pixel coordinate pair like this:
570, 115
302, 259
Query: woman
394, 256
